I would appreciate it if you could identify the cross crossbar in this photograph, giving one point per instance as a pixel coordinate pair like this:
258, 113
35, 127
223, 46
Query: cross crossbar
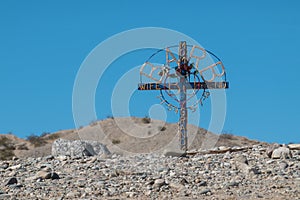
190, 85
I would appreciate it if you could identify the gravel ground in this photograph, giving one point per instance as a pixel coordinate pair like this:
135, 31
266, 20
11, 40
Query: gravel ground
226, 173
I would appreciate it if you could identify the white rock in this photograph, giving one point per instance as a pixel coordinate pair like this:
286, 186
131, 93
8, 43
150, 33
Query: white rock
294, 146
78, 148
281, 152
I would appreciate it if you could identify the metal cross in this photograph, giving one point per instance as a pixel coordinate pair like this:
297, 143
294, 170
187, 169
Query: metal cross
183, 70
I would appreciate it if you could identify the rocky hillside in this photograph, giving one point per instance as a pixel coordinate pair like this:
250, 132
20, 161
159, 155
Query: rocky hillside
122, 136
137, 158
248, 172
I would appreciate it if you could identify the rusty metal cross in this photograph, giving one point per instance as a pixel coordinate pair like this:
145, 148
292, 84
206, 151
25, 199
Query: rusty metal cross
183, 70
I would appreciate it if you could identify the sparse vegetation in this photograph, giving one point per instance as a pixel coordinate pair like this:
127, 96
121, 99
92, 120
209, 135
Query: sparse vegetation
52, 136
35, 140
226, 136
116, 141
6, 149
44, 134
110, 117
162, 128
146, 120
93, 123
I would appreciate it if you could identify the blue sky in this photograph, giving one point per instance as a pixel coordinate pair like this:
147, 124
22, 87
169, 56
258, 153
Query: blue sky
43, 44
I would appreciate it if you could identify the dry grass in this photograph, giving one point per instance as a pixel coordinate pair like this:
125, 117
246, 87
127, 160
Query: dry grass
36, 141
116, 141
162, 128
6, 152
146, 120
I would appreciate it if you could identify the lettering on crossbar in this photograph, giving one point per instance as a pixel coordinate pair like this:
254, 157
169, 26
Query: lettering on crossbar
191, 85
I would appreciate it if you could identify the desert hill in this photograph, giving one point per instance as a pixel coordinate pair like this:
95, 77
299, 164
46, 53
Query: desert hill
122, 136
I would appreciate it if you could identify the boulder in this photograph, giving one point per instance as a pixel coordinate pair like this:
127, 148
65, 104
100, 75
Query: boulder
294, 146
271, 148
281, 152
174, 153
78, 148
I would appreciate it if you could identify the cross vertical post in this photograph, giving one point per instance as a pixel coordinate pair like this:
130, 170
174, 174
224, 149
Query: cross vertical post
182, 128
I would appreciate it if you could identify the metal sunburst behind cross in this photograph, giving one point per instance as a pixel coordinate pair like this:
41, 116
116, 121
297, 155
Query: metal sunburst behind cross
178, 75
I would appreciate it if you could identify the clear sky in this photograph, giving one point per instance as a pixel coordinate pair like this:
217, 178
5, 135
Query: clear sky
43, 44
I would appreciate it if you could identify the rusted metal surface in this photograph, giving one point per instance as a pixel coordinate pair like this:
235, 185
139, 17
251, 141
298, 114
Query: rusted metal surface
181, 73
191, 85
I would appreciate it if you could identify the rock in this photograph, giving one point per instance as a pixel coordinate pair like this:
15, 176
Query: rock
283, 165
184, 181
255, 170
281, 152
78, 148
203, 183
54, 176
205, 191
224, 148
176, 186
294, 146
241, 158
271, 148
73, 194
5, 196
244, 168
148, 192
49, 157
159, 183
233, 184
46, 175
173, 153
15, 167
62, 158
43, 175
4, 165
14, 158
12, 181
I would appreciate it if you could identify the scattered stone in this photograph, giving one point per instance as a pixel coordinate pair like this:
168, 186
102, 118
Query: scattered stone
239, 173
